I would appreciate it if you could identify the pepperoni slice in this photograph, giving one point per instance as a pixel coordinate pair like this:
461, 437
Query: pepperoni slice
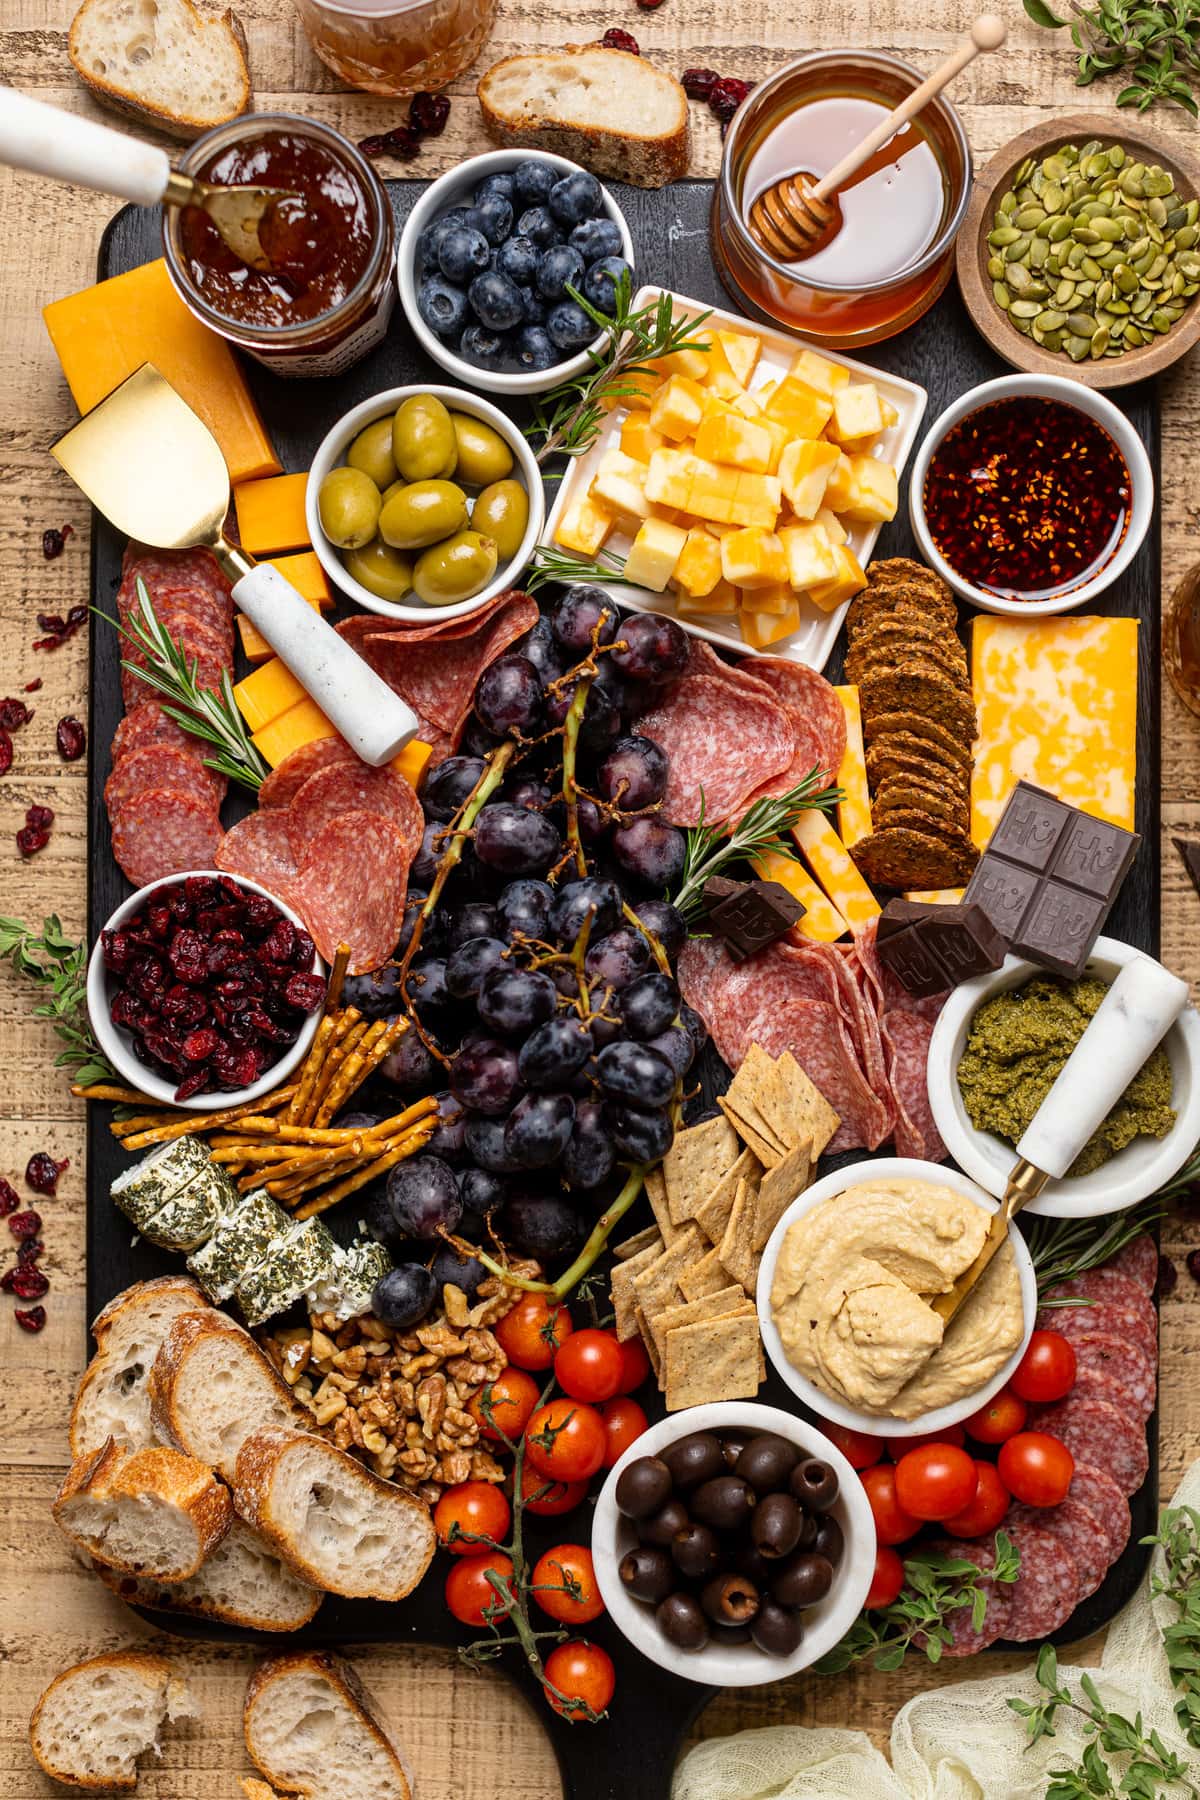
965, 1639
812, 703
725, 739
1043, 1596
148, 723
284, 783
437, 673
160, 766
200, 646
1139, 1261
1118, 1321
346, 787
1109, 1367
259, 846
906, 1035
160, 832
1101, 1495
1095, 1431
1076, 1527
352, 887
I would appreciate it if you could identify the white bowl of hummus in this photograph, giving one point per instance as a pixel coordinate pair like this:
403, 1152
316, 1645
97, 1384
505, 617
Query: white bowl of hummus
845, 1296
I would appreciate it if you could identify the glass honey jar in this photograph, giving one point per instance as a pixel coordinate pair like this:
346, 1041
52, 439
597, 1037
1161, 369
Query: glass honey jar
395, 47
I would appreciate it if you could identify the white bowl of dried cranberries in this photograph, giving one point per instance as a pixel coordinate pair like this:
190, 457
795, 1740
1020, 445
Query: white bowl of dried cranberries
204, 990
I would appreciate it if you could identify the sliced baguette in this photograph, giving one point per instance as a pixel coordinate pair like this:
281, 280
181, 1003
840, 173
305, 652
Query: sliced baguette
162, 62
311, 1728
145, 1512
243, 1582
95, 1720
112, 1400
615, 113
338, 1525
211, 1386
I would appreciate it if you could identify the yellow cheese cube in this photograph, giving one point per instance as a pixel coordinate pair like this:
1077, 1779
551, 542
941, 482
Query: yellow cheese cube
891, 414
854, 808
677, 408
712, 501
698, 569
803, 409
778, 599
848, 579
723, 384
748, 406
856, 411
300, 725
835, 869
809, 555
819, 372
804, 471
730, 439
740, 351
270, 514
637, 389
584, 525
619, 485
753, 558
306, 575
692, 363
270, 691
822, 922
654, 553
758, 498
936, 896
841, 489
639, 439
669, 476
876, 496
835, 531
412, 760
721, 601
761, 629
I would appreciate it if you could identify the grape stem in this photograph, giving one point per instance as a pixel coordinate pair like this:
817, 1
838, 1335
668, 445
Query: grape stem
592, 1250
570, 786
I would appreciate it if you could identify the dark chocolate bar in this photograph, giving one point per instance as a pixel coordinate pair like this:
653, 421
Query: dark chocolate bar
931, 947
749, 915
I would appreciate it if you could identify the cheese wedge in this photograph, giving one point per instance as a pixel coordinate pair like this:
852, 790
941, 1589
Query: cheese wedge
854, 810
835, 869
822, 922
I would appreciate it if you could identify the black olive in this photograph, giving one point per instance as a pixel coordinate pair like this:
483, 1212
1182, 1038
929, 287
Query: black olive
682, 1622
829, 1541
661, 1526
776, 1525
694, 1459
766, 1462
751, 1562
815, 1484
803, 1581
775, 1629
730, 1635
810, 1526
644, 1487
730, 1599
696, 1552
725, 1503
647, 1573
732, 1445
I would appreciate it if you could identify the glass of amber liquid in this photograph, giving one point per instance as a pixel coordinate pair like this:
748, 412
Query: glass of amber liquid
393, 47
1181, 639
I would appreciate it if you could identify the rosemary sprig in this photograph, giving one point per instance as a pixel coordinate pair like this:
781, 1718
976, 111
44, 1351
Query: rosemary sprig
1157, 40
1064, 1248
208, 715
1150, 1764
568, 419
934, 1587
552, 565
58, 966
761, 830
1178, 1536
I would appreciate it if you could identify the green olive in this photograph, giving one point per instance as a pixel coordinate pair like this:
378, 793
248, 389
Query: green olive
455, 569
502, 511
382, 570
394, 487
371, 452
483, 455
349, 507
423, 439
423, 513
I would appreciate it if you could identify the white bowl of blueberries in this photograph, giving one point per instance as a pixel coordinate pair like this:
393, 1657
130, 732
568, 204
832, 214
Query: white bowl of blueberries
485, 259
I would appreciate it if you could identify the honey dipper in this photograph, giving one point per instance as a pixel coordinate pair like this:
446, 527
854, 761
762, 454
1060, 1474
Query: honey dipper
798, 214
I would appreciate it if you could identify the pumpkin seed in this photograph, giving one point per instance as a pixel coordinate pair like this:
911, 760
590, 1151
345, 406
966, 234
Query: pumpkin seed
1050, 320
1092, 269
1001, 296
1027, 309
1029, 216
1019, 251
1081, 324
1077, 347
1039, 252
1007, 205
1052, 340
1002, 237
1059, 228
1116, 157
1161, 320
1064, 293
1100, 342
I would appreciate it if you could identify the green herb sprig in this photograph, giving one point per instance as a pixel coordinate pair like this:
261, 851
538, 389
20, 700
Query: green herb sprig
934, 1587
762, 830
58, 965
1064, 1248
552, 565
1157, 41
1178, 1537
1109, 1733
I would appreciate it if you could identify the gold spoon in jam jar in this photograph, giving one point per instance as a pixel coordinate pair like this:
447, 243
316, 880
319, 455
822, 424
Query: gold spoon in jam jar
798, 215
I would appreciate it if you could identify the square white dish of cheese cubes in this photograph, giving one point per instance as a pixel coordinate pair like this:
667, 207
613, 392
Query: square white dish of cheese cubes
743, 489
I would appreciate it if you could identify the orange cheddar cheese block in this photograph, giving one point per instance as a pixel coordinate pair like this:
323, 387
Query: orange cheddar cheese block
835, 869
268, 693
936, 896
299, 725
270, 514
306, 575
822, 922
854, 808
104, 333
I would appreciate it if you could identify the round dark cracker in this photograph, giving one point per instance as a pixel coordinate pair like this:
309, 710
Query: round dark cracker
907, 747
903, 858
904, 794
884, 593
885, 724
910, 818
861, 665
884, 764
893, 634
916, 688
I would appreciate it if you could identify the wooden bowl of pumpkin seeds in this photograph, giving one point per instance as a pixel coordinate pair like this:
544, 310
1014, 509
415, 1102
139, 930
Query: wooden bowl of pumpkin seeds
1080, 251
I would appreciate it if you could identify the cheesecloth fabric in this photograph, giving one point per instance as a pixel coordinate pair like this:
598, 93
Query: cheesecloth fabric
960, 1742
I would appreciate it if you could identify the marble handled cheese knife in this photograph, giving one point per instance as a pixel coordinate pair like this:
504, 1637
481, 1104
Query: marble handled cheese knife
151, 466
1135, 1015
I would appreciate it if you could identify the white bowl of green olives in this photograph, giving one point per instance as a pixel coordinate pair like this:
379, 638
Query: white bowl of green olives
685, 1608
424, 502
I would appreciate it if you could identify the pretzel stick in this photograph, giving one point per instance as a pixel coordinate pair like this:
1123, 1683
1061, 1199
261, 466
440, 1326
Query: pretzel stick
337, 977
403, 1147
308, 1070
311, 1170
193, 1123
334, 1062
289, 1136
104, 1090
351, 1073
382, 1049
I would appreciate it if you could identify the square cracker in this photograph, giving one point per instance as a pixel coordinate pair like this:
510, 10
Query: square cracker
656, 1194
815, 1118
752, 1128
643, 1325
657, 1286
717, 1359
737, 1246
621, 1289
704, 1277
650, 1238
712, 1215
777, 1190
696, 1160
728, 1299
770, 1095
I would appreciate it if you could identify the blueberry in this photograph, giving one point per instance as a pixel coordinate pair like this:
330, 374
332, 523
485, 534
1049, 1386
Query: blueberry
575, 198
535, 352
600, 283
568, 326
443, 308
535, 306
495, 217
559, 266
496, 301
462, 254
531, 183
486, 349
537, 225
501, 183
596, 238
518, 259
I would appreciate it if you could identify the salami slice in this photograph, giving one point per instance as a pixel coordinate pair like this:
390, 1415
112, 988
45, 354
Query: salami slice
259, 846
160, 832
173, 568
362, 626
1075, 1526
1119, 1321
160, 766
1101, 1495
347, 787
965, 1639
724, 741
1111, 1288
437, 675
1043, 1595
1095, 1431
906, 1036
352, 887
284, 783
813, 705
202, 649
1138, 1260
147, 723
194, 602
1107, 1362
811, 1030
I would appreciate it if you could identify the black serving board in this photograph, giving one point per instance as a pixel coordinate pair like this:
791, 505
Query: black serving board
634, 1755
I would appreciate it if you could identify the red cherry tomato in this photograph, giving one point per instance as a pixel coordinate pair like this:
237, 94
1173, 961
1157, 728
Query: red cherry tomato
892, 1524
936, 1481
588, 1366
1047, 1369
469, 1593
1002, 1417
512, 1398
1036, 1468
624, 1423
887, 1580
859, 1449
566, 1440
985, 1511
549, 1498
473, 1509
635, 1365
531, 1333
900, 1446
564, 1584
581, 1672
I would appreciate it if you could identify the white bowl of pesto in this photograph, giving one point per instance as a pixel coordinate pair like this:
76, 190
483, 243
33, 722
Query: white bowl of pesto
1130, 1174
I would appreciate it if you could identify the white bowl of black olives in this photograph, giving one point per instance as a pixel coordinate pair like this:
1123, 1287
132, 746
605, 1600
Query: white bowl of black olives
733, 1544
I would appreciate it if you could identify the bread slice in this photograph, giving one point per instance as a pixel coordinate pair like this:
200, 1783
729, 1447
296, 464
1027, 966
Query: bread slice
95, 1720
112, 1400
211, 1386
162, 62
257, 1790
337, 1524
145, 1512
243, 1582
615, 113
311, 1729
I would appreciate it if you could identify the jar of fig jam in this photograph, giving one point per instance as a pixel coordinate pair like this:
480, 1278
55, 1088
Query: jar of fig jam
327, 298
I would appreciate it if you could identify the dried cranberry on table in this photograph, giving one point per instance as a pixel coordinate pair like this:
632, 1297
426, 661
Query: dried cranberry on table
402, 140
13, 713
70, 738
58, 629
1168, 1275
25, 1224
28, 1251
34, 835
698, 84
42, 1172
34, 686
1193, 1264
26, 1283
30, 1318
428, 114
620, 40
727, 95
6, 751
54, 540
9, 1203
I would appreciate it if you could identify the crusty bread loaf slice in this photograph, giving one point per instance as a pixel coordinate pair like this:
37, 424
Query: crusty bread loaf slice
337, 1524
257, 1790
145, 1512
615, 113
112, 1399
311, 1728
211, 1386
243, 1582
162, 62
95, 1720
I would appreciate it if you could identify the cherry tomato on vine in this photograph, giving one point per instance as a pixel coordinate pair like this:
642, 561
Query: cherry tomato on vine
624, 1423
473, 1509
564, 1584
1036, 1468
1002, 1417
936, 1481
582, 1672
588, 1366
900, 1446
554, 1497
892, 1524
566, 1439
512, 1396
1047, 1369
887, 1580
532, 1332
858, 1447
469, 1593
635, 1365
982, 1514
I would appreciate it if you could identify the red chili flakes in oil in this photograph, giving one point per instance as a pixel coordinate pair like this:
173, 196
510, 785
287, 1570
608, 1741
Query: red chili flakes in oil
1027, 497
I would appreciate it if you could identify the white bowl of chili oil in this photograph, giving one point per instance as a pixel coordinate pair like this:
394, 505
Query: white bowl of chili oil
1031, 495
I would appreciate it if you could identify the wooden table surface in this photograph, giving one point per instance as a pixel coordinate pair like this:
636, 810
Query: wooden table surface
467, 1735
